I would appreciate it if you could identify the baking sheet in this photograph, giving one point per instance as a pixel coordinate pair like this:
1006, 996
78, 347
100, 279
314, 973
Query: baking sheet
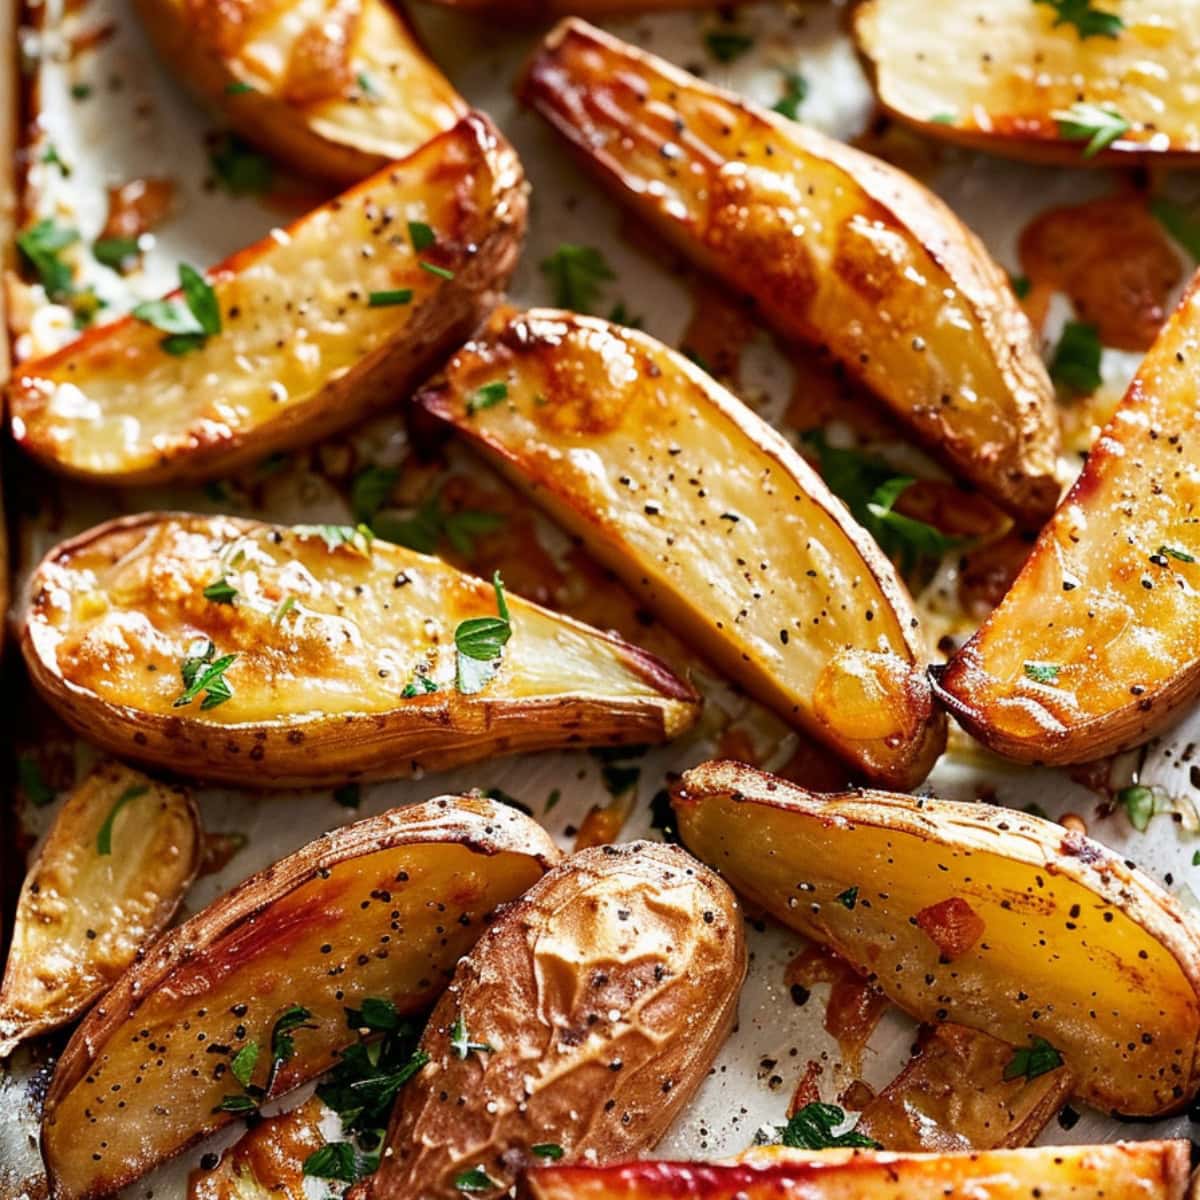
135, 122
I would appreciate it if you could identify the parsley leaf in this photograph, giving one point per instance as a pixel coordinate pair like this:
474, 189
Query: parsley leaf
795, 91
243, 1063
368, 86
461, 1044
1183, 224
421, 236
479, 642
619, 779
1089, 21
355, 537
118, 253
1033, 1060
1097, 125
487, 396
1174, 552
812, 1129
240, 1105
1138, 803
369, 491
238, 168
190, 324
727, 44
1042, 672
201, 673
220, 591
341, 1161
551, 1151
41, 246
475, 1180
1076, 361
377, 1014
577, 275
104, 836
430, 524
849, 898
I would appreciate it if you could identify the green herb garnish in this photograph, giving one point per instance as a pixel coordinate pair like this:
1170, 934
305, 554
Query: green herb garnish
190, 324
812, 1128
551, 1151
115, 252
434, 269
577, 275
1038, 1058
421, 236
202, 674
1076, 361
1138, 803
390, 298
238, 168
487, 396
1042, 672
849, 898
461, 1044
475, 1180
369, 491
41, 246
430, 524
795, 91
1088, 20
104, 837
727, 44
220, 591
1099, 126
1183, 224
33, 784
479, 642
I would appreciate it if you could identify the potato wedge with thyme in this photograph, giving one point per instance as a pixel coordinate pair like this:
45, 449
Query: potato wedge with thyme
1073, 84
307, 655
583, 1021
1118, 1171
117, 861
838, 249
709, 514
246, 1000
298, 336
340, 88
1097, 643
977, 915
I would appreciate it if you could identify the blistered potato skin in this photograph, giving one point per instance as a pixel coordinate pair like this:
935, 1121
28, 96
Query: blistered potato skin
1107, 597
322, 123
113, 407
837, 248
397, 899
83, 917
319, 693
709, 514
1077, 946
992, 73
1119, 1171
605, 993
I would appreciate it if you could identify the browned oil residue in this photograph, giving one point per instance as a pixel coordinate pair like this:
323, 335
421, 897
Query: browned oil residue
137, 207
807, 1091
1111, 258
719, 330
218, 851
855, 1006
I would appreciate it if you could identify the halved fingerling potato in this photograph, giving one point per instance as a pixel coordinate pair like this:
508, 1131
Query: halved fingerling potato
321, 324
117, 861
336, 87
583, 1020
1006, 75
381, 908
707, 512
344, 661
1066, 943
837, 249
1119, 1171
1097, 643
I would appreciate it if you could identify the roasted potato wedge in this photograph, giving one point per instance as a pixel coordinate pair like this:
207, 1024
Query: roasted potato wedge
597, 1002
383, 907
344, 661
837, 248
340, 88
1120, 1171
706, 511
538, 10
320, 325
1064, 941
958, 1093
117, 861
1008, 76
1097, 642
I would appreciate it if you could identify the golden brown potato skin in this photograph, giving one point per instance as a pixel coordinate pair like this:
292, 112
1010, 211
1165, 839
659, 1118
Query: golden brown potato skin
540, 10
1120, 1171
882, 274
330, 690
964, 71
707, 513
114, 407
383, 907
1107, 602
293, 87
1075, 945
605, 993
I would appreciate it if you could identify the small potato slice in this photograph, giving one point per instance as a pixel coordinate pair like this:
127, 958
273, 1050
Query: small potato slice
602, 998
117, 861
1075, 947
1120, 1171
383, 907
999, 75
345, 662
708, 513
306, 345
837, 248
336, 87
1097, 643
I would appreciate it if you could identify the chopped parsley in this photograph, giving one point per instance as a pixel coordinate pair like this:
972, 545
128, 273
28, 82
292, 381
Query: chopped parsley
1088, 20
117, 253
419, 685
104, 837
238, 1103
1042, 672
33, 784
243, 1063
369, 491
461, 1044
430, 525
812, 1128
795, 92
576, 275
368, 86
81, 91
1021, 286
238, 168
475, 1180
487, 396
51, 158
1096, 125
283, 1044
1138, 803
340, 1161
355, 537
220, 591
619, 779
1183, 224
1076, 361
421, 236
349, 795
389, 298
190, 324
725, 45
237, 87
551, 1151
1174, 552
479, 642
41, 246
204, 675
1038, 1058
849, 898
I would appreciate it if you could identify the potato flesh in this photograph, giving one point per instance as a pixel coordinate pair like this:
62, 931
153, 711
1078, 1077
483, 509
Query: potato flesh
705, 511
1107, 601
605, 994
297, 325
395, 922
83, 917
1077, 948
994, 72
837, 248
1122, 1171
